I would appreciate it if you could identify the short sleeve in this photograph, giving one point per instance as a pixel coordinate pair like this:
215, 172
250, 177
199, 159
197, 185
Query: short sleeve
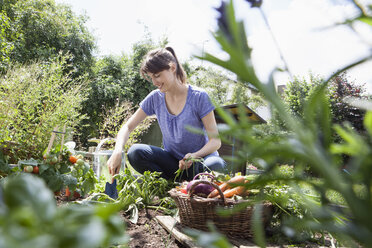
147, 104
205, 105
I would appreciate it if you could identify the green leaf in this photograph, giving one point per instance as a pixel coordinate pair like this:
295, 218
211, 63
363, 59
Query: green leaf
54, 182
69, 181
368, 122
31, 162
317, 111
353, 145
133, 213
43, 168
28, 190
4, 167
366, 19
211, 239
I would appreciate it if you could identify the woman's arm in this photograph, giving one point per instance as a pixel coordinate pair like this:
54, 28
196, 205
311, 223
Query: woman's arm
121, 139
211, 146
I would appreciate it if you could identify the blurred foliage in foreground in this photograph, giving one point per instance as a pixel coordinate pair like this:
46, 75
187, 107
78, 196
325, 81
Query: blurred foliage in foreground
29, 217
308, 141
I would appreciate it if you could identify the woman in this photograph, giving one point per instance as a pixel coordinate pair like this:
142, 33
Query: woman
177, 106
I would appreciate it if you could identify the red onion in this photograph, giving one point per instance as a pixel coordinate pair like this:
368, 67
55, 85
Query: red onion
201, 189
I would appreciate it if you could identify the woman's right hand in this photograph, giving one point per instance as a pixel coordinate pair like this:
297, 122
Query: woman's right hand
114, 163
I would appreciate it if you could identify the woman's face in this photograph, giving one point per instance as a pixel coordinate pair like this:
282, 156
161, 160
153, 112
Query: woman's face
163, 80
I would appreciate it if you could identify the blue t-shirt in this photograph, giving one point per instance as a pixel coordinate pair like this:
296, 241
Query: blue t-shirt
176, 138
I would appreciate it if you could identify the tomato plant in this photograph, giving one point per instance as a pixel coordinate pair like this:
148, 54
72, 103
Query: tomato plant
58, 171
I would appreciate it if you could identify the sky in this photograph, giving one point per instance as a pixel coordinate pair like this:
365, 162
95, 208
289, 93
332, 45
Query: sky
302, 29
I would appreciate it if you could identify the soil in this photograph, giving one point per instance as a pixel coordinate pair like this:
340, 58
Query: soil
148, 233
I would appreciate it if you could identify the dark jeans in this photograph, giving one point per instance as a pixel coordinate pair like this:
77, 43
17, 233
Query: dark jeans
144, 157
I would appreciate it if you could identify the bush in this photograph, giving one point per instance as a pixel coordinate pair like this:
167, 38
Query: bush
340, 88
34, 99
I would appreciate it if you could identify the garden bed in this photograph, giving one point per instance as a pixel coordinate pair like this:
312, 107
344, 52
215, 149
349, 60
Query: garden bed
156, 229
148, 232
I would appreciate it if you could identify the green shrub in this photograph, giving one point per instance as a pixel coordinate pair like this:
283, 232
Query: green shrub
29, 217
34, 99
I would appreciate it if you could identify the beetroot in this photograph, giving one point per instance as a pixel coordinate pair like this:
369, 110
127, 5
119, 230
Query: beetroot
201, 189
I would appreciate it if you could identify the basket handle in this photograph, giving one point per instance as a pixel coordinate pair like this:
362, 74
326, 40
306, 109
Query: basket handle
204, 174
197, 182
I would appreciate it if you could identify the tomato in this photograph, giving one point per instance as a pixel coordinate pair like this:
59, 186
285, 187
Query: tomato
28, 169
80, 162
36, 170
72, 159
53, 160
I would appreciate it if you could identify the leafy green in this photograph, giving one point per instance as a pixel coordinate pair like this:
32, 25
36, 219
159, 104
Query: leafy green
27, 191
211, 239
29, 217
4, 166
135, 192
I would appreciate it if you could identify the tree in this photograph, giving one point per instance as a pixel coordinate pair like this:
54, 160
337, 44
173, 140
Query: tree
44, 29
339, 89
138, 86
221, 88
115, 79
242, 93
106, 88
214, 82
7, 37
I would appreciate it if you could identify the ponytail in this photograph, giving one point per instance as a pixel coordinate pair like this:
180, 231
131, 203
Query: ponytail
180, 72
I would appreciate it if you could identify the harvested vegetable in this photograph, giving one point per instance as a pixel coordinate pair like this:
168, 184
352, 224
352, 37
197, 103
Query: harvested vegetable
239, 190
227, 185
223, 187
201, 189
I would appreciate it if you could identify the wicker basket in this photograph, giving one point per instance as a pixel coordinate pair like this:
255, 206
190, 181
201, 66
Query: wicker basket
195, 212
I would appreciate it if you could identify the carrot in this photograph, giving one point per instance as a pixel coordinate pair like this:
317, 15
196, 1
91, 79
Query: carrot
215, 193
227, 185
236, 180
239, 190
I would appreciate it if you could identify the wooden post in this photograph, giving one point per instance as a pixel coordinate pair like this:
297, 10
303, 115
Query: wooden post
62, 141
52, 139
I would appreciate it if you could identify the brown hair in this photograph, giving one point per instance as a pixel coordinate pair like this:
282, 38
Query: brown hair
158, 60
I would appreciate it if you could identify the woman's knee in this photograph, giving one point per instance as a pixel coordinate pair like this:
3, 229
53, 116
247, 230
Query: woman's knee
215, 163
136, 152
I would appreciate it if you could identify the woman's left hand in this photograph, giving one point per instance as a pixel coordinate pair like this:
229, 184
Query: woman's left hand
186, 162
